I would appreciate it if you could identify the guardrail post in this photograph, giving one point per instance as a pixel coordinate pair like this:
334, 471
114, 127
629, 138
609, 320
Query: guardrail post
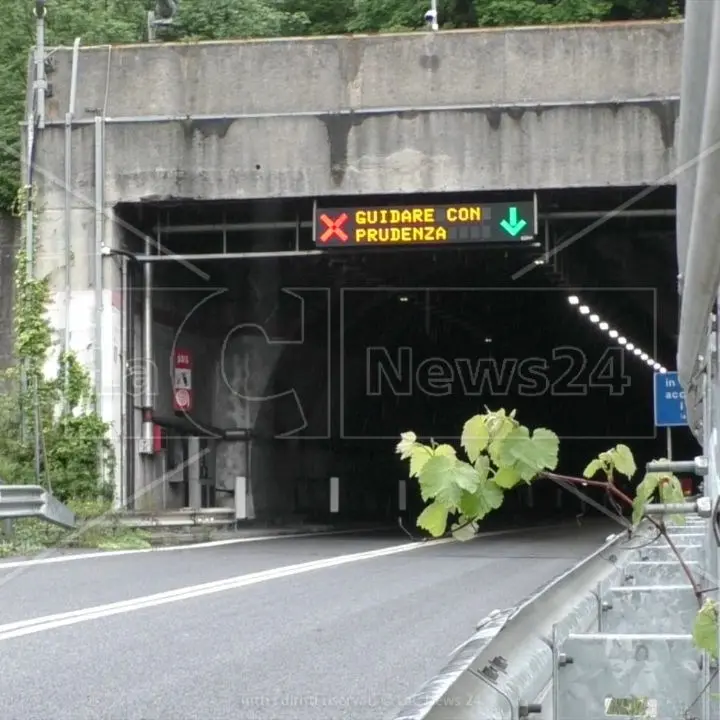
8, 530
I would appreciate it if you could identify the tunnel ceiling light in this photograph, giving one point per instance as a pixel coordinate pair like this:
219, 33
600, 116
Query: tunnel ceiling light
615, 335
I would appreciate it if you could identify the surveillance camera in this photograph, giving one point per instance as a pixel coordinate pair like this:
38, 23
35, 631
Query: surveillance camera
431, 19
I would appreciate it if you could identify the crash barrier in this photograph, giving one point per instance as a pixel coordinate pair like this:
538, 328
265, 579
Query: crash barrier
609, 638
186, 517
28, 501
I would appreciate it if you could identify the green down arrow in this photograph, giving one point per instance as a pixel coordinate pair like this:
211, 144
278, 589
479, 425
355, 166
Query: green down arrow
513, 225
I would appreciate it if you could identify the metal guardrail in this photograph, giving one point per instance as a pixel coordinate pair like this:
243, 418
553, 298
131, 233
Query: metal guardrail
610, 637
187, 517
27, 501
504, 668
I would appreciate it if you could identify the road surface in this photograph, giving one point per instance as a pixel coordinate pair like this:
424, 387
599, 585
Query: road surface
285, 629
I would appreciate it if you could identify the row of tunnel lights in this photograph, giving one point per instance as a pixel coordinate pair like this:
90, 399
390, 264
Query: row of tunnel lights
614, 334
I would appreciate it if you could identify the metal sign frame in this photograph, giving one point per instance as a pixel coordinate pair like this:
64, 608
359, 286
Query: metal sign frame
484, 231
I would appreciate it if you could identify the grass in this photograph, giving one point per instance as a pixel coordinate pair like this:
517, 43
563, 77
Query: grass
97, 528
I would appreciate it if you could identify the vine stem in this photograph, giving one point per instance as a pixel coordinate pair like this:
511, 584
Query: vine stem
659, 526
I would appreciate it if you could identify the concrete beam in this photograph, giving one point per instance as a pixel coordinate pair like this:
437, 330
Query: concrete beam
579, 63
536, 108
560, 147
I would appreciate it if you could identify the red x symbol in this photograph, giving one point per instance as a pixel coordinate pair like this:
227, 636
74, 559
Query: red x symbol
334, 227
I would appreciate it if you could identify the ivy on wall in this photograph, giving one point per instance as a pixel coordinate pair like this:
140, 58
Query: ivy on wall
50, 431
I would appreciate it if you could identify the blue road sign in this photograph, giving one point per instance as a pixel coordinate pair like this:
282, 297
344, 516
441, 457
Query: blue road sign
669, 401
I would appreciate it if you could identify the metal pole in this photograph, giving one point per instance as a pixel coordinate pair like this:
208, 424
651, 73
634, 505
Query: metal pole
68, 185
40, 81
148, 259
668, 438
594, 214
123, 382
375, 111
97, 258
146, 445
129, 404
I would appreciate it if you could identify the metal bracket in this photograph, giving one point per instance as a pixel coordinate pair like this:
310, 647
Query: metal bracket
697, 466
701, 507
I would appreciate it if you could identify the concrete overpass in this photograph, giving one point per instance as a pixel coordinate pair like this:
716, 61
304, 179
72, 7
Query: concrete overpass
149, 127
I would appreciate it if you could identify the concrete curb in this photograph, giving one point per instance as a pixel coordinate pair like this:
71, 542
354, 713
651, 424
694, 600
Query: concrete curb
194, 536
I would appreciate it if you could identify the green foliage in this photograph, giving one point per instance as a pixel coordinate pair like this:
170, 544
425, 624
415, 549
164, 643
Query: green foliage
705, 628
50, 432
501, 454
618, 459
98, 527
666, 486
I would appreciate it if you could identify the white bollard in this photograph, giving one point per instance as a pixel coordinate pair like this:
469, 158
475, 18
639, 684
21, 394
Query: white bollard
402, 495
334, 494
241, 505
194, 489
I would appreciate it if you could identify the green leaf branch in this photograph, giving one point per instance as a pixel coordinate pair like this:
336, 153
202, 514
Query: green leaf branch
501, 454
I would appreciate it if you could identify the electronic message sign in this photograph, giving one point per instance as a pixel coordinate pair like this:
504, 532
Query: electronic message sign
418, 225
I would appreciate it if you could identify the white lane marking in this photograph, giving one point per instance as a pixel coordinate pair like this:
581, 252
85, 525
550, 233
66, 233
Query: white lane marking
174, 548
51, 622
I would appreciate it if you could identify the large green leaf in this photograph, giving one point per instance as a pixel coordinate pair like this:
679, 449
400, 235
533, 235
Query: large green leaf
705, 628
546, 446
671, 492
437, 480
419, 456
644, 492
504, 452
406, 445
624, 461
593, 468
433, 519
507, 477
466, 476
475, 437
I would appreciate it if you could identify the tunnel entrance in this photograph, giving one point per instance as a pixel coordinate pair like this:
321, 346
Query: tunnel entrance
284, 372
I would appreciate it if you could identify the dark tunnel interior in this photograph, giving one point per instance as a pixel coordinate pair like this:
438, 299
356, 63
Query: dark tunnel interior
422, 339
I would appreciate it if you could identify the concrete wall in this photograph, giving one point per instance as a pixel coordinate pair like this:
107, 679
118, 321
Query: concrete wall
490, 109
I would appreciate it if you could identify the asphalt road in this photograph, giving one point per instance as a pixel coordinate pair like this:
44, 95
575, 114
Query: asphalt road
347, 641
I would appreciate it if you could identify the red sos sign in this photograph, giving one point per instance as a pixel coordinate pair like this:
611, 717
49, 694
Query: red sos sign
182, 381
